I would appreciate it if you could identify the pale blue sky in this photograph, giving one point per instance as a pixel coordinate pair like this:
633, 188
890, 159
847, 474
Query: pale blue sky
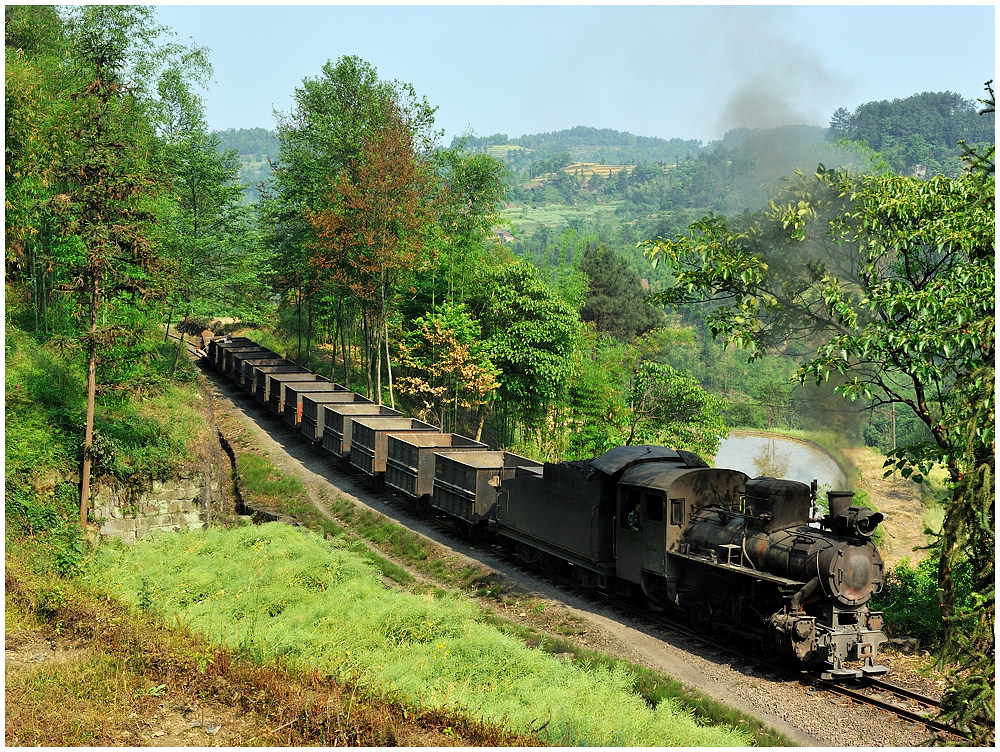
684, 71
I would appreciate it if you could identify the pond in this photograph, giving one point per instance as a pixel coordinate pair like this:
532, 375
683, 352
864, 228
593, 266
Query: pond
780, 457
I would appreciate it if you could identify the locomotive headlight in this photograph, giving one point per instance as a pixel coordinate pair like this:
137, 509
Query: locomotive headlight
865, 524
860, 522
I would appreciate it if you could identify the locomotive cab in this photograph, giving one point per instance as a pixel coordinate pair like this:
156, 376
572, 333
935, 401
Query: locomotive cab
656, 502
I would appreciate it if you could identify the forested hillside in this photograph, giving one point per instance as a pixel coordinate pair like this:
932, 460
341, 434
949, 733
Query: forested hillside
918, 134
651, 291
256, 149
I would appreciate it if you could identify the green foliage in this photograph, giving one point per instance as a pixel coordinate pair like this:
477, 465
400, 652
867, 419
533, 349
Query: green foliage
291, 594
445, 365
615, 300
919, 293
45, 524
918, 132
671, 409
621, 395
470, 196
910, 600
529, 333
216, 261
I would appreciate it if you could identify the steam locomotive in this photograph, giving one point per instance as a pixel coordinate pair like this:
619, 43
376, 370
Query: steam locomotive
744, 558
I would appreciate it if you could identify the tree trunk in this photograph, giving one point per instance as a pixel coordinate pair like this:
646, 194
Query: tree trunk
388, 366
88, 436
366, 335
479, 428
177, 355
333, 350
377, 345
343, 346
170, 316
298, 311
308, 331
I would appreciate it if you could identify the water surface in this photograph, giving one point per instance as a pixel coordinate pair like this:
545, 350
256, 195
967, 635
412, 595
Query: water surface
780, 457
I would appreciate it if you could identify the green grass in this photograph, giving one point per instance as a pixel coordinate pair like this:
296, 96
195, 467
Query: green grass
652, 685
264, 486
278, 591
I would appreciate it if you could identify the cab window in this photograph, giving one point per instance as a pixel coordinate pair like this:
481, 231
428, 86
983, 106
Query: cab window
677, 511
631, 517
654, 507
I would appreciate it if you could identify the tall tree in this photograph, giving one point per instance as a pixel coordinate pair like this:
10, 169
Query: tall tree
110, 178
335, 114
893, 280
37, 90
470, 198
615, 300
217, 267
372, 236
621, 395
445, 366
530, 333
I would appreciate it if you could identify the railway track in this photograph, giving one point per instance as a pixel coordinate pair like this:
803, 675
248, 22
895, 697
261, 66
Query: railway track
900, 702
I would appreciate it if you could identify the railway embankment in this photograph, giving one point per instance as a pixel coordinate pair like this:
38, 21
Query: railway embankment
163, 701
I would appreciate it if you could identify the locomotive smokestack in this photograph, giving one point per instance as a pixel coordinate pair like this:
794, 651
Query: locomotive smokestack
840, 502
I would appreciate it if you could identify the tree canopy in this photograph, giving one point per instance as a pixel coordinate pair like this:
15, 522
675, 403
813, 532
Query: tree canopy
891, 281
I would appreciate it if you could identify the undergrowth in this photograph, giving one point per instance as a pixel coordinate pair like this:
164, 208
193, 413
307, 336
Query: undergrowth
909, 599
274, 591
131, 665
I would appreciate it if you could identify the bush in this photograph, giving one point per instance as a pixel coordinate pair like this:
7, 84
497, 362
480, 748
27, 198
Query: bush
910, 602
744, 415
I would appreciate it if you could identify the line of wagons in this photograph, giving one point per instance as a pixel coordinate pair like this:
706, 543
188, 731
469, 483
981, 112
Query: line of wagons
743, 557
453, 474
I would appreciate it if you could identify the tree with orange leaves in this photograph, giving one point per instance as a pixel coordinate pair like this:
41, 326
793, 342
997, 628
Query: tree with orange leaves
372, 236
446, 366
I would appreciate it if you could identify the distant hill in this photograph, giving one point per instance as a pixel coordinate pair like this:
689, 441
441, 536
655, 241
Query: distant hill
254, 147
583, 144
917, 135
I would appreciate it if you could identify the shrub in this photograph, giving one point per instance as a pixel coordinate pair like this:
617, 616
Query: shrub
910, 602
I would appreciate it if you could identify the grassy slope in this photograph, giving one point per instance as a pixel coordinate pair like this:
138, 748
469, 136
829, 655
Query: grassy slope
278, 591
87, 671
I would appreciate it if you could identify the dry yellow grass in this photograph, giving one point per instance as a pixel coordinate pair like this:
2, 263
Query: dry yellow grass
899, 499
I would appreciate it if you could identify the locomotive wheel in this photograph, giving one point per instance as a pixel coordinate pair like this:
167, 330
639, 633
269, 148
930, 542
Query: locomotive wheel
701, 617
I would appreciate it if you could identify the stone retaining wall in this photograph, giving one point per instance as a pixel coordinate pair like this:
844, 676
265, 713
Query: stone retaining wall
183, 503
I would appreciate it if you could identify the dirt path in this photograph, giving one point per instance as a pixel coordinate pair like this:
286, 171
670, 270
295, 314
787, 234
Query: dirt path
899, 500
